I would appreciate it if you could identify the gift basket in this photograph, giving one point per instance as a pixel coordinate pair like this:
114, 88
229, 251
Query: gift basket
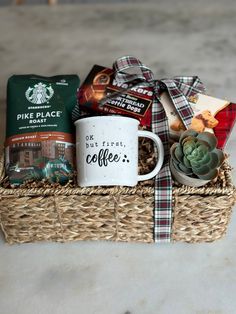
180, 194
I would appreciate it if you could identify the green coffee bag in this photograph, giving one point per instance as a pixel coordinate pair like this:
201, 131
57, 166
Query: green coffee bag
40, 133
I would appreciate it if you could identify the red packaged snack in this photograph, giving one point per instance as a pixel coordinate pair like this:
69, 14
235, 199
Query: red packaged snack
101, 93
226, 118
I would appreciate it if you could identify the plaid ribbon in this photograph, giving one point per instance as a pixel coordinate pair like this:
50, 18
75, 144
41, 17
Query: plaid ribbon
179, 89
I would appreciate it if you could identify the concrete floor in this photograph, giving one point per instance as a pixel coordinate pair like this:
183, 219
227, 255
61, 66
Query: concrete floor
188, 38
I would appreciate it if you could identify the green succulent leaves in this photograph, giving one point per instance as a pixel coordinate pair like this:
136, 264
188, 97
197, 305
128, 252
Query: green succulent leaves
196, 155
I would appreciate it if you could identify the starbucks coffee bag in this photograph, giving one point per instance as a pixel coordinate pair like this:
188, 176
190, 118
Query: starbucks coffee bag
40, 133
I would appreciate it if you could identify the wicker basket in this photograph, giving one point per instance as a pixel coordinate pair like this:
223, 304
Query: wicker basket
116, 213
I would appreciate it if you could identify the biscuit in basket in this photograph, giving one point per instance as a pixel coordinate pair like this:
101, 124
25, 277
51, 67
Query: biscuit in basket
203, 120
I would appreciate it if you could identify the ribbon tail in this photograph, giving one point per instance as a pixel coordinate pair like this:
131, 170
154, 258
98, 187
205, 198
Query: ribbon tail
190, 85
163, 205
180, 102
163, 180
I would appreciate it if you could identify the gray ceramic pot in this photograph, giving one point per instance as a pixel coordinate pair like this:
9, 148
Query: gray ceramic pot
185, 180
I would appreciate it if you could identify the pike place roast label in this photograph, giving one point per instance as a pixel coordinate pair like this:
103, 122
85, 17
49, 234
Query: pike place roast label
40, 134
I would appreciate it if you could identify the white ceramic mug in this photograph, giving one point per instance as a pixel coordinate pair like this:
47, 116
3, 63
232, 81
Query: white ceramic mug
107, 151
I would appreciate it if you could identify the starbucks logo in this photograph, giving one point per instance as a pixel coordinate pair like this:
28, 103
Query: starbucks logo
39, 94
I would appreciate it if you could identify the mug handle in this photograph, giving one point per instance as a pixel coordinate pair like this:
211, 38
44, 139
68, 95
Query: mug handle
156, 139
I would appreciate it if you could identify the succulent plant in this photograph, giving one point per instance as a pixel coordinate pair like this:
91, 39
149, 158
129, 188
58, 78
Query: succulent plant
196, 155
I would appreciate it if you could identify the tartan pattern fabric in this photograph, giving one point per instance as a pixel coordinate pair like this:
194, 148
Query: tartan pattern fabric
180, 101
163, 180
189, 85
128, 62
179, 89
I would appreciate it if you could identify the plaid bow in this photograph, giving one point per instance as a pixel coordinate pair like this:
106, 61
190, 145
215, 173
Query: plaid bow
179, 89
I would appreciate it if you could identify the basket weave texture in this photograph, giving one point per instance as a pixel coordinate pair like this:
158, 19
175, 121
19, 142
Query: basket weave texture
114, 213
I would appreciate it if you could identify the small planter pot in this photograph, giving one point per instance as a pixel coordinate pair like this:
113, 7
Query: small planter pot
185, 180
